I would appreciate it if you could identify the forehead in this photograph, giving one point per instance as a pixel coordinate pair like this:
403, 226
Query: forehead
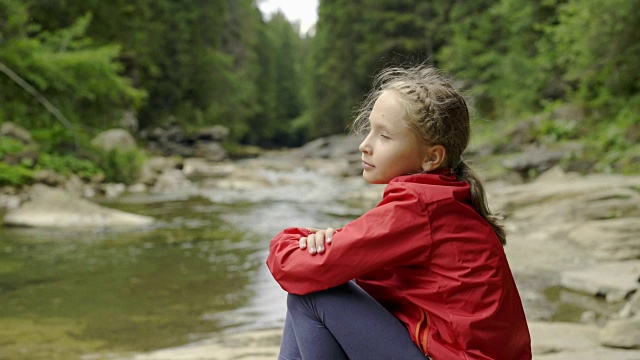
388, 111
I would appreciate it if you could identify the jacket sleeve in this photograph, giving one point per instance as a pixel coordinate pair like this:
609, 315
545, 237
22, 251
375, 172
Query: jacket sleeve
395, 232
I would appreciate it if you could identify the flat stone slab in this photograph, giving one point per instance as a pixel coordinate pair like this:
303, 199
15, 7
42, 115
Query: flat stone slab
51, 207
592, 354
570, 341
615, 280
554, 337
251, 345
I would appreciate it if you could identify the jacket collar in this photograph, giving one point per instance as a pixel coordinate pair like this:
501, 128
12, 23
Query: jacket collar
439, 175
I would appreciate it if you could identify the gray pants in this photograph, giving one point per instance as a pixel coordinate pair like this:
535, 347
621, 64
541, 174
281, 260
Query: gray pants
343, 323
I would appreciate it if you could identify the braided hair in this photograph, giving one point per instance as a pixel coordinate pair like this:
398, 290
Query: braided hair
438, 115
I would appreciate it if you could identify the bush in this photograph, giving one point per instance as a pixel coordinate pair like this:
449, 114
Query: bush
14, 175
120, 166
10, 146
68, 164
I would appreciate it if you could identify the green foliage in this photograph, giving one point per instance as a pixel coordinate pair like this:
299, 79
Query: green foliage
80, 80
333, 81
221, 62
67, 165
599, 61
553, 130
119, 166
14, 175
10, 146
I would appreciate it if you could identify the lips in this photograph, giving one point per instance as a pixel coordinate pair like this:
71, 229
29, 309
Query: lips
366, 165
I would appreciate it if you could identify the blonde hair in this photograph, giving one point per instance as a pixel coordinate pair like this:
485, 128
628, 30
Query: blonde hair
437, 114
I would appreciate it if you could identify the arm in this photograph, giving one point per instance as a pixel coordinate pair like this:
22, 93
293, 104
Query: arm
395, 232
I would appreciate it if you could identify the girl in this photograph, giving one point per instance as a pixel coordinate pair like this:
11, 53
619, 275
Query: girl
431, 276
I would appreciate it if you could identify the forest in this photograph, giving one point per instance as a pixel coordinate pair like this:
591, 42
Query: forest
72, 68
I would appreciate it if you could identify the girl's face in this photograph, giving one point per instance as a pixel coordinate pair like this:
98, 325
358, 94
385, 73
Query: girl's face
391, 148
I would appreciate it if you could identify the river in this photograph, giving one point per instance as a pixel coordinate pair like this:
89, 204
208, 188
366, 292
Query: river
197, 272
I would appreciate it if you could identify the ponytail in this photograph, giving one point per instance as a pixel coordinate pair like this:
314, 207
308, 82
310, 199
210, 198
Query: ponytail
479, 199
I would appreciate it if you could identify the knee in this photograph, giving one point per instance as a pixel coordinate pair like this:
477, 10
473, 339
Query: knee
311, 300
293, 301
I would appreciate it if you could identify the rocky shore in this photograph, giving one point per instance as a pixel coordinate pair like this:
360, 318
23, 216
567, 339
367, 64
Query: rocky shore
577, 234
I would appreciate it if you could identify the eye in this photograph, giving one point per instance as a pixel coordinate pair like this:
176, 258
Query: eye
386, 137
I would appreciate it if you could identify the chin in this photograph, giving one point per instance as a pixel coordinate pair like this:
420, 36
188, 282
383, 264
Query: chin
372, 180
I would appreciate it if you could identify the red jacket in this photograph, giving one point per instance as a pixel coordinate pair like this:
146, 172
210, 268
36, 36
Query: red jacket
429, 258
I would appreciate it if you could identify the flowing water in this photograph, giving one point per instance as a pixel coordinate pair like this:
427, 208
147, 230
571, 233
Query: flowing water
199, 271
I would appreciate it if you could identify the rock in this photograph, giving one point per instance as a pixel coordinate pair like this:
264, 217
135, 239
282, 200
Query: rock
534, 160
137, 188
114, 139
520, 135
240, 184
331, 167
8, 202
344, 147
592, 354
50, 207
540, 193
47, 177
113, 190
621, 333
611, 239
17, 132
160, 163
129, 121
614, 281
554, 174
202, 167
334, 147
211, 151
251, 345
216, 133
555, 337
171, 179
74, 186
632, 307
173, 141
156, 165
607, 204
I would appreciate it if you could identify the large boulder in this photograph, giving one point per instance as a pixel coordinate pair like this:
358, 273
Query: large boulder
621, 333
615, 281
610, 239
51, 207
115, 139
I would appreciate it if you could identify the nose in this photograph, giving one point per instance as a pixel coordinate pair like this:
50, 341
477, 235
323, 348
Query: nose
364, 146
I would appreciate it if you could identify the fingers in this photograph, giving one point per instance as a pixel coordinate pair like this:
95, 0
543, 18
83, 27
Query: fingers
315, 243
329, 234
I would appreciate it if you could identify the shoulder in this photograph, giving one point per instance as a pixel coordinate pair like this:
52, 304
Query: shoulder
429, 188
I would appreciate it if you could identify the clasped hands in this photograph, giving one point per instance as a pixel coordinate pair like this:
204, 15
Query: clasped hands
315, 242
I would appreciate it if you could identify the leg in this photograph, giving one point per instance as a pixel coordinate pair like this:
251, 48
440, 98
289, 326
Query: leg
289, 346
346, 318
316, 340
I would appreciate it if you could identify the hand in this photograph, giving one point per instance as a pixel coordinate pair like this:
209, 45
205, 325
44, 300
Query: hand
316, 241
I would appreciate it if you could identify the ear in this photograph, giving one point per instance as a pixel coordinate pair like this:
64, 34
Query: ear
433, 157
